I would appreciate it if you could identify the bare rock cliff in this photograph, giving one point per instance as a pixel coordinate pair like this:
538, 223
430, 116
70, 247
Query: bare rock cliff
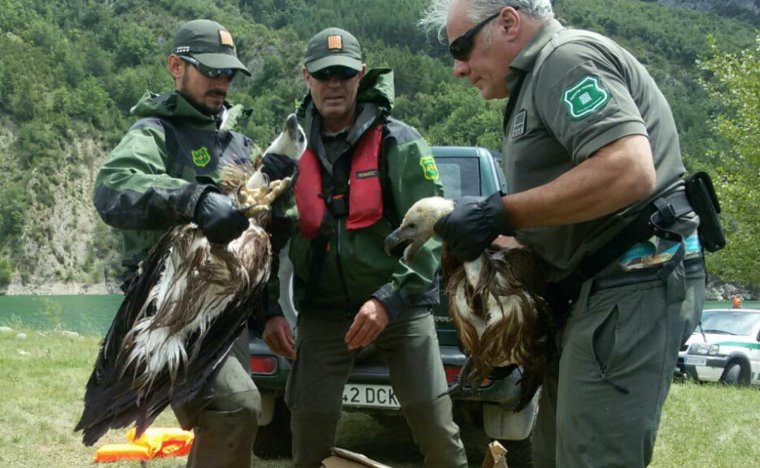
64, 247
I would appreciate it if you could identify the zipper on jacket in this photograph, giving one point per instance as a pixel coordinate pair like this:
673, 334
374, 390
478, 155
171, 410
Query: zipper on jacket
219, 149
339, 265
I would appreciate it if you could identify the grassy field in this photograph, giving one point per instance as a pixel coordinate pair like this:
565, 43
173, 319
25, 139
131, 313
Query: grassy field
43, 378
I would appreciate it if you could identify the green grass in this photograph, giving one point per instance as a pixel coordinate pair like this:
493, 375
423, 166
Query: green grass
43, 379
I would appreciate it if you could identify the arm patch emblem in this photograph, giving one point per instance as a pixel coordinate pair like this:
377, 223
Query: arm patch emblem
429, 169
585, 97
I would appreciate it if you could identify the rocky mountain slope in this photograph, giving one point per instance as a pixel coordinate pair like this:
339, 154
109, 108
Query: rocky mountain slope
64, 247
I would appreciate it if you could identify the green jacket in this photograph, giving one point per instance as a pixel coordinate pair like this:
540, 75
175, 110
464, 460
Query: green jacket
356, 267
153, 179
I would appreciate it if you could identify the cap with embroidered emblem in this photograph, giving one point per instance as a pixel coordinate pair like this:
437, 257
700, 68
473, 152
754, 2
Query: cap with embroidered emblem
333, 47
208, 42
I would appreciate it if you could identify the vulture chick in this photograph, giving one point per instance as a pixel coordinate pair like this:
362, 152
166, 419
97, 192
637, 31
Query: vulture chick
495, 301
186, 307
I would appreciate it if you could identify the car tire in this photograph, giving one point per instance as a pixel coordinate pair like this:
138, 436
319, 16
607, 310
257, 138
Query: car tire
734, 374
519, 452
274, 440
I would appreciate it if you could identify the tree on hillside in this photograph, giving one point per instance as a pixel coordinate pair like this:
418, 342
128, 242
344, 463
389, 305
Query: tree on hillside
734, 81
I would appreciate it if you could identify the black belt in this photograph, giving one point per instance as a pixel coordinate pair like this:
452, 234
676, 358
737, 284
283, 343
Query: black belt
691, 266
647, 223
655, 219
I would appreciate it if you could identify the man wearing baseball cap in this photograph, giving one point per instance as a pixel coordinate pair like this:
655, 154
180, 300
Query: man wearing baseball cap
209, 43
333, 47
361, 172
165, 172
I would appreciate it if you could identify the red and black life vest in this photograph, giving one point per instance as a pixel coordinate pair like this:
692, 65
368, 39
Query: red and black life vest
365, 199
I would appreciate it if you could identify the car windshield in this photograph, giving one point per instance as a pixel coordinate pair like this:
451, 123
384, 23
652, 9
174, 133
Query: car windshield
729, 322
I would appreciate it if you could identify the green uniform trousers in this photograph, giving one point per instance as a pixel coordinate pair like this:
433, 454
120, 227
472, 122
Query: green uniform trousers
409, 346
224, 416
601, 402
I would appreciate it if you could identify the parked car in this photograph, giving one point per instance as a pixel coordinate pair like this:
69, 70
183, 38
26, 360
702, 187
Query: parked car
725, 348
464, 171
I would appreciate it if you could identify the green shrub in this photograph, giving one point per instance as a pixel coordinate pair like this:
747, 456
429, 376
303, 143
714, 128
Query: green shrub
6, 272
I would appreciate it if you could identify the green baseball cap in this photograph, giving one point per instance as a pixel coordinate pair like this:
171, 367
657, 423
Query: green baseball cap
208, 42
333, 47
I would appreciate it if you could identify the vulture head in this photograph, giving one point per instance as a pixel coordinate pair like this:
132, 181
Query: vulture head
250, 188
496, 301
417, 226
291, 141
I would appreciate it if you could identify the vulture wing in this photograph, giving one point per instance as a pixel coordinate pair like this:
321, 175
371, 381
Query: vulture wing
149, 359
182, 314
501, 317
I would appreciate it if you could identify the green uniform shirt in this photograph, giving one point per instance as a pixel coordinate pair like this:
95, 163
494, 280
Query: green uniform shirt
580, 92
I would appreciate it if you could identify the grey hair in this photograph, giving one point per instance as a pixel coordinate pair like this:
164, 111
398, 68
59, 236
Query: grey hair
434, 17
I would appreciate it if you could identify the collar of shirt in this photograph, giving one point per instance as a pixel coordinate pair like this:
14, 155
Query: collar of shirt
527, 57
334, 144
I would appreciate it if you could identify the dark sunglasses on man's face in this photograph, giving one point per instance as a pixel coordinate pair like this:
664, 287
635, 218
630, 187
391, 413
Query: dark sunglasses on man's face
461, 46
342, 73
208, 71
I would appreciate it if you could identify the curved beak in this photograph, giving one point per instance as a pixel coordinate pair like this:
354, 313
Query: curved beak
401, 245
392, 241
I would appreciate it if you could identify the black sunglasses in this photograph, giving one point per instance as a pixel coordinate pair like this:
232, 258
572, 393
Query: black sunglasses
208, 71
342, 73
461, 46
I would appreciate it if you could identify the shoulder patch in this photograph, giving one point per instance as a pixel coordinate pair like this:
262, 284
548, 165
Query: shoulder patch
429, 169
201, 157
585, 97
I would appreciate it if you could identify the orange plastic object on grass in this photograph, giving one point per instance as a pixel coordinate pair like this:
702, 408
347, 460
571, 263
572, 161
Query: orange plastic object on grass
119, 452
164, 441
155, 442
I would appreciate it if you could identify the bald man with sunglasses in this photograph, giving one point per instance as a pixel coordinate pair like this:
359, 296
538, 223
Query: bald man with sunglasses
361, 172
163, 173
594, 171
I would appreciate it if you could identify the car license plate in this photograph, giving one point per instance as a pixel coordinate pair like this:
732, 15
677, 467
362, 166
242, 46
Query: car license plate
695, 361
370, 396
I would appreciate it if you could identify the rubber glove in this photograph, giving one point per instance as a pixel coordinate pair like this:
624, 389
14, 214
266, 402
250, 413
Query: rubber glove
473, 225
218, 218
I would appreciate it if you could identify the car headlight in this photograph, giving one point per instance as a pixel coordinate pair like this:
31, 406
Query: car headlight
704, 348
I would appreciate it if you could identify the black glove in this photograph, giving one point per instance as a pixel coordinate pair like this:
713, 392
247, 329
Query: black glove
278, 166
218, 218
473, 225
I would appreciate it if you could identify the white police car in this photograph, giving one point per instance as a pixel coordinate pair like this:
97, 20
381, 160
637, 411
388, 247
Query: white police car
725, 347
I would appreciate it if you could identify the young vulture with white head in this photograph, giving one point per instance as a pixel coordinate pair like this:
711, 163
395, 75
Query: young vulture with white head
190, 302
496, 302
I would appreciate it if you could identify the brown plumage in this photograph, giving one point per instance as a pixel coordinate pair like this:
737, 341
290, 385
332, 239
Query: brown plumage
188, 304
496, 302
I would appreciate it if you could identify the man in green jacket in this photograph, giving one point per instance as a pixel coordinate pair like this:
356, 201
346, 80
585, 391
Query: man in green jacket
361, 172
164, 172
594, 171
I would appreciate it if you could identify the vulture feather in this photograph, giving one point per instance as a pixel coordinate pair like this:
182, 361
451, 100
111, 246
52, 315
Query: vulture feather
495, 301
190, 301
